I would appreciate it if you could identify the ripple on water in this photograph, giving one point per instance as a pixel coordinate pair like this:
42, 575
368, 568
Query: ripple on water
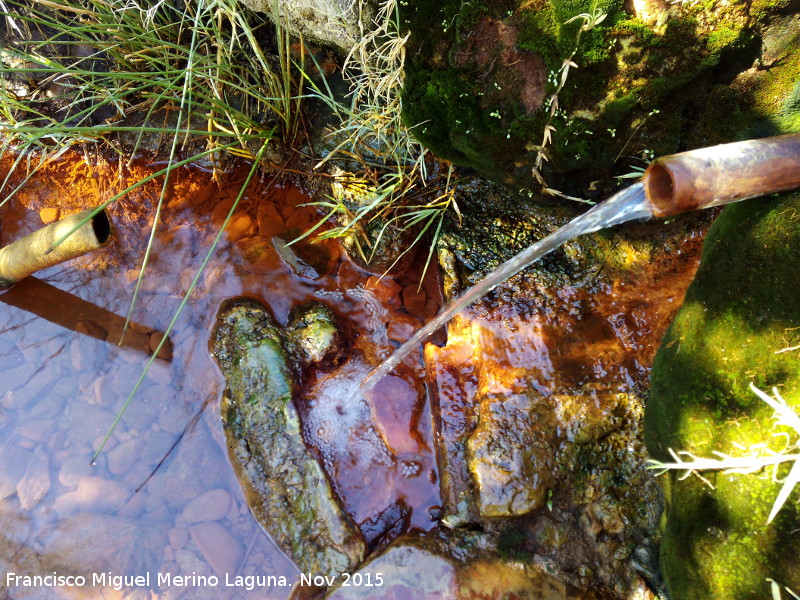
339, 423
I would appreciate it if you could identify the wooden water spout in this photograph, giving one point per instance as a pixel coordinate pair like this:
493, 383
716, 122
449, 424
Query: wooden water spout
722, 174
33, 252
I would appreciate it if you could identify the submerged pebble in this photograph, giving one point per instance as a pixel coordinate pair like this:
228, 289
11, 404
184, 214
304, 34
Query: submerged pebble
220, 549
93, 494
35, 483
212, 505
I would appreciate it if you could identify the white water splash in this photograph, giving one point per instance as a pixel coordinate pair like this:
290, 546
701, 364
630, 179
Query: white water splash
340, 423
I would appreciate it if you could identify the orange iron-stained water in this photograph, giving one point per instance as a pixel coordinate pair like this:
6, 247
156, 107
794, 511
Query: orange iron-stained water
65, 377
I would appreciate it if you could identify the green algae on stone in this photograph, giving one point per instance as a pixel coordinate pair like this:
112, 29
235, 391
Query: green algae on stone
285, 485
313, 335
741, 310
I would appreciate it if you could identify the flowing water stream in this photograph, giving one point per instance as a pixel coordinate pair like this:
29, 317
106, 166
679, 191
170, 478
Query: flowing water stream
63, 380
629, 204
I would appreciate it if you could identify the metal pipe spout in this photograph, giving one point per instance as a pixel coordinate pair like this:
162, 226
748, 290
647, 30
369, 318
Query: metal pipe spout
34, 252
722, 174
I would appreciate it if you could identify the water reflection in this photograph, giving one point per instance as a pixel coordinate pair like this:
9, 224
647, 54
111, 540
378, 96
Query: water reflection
63, 383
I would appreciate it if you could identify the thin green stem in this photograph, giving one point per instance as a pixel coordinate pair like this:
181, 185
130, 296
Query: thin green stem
185, 299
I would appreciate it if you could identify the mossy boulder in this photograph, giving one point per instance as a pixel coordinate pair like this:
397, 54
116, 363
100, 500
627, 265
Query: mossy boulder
742, 310
285, 485
648, 79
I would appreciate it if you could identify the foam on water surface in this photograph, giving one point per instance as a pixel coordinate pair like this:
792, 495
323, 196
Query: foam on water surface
339, 420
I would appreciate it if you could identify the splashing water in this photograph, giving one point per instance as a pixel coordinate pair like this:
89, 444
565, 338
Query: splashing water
339, 422
627, 205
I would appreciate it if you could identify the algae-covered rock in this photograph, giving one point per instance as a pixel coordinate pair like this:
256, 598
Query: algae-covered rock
285, 485
314, 335
738, 325
583, 90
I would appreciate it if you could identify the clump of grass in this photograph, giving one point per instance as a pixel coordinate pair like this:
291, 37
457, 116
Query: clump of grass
754, 459
392, 178
182, 70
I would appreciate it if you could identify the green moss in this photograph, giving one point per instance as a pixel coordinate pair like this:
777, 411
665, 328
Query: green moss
778, 95
738, 312
538, 32
635, 28
761, 9
717, 543
466, 97
724, 38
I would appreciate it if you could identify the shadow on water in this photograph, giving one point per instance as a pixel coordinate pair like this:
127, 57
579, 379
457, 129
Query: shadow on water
73, 313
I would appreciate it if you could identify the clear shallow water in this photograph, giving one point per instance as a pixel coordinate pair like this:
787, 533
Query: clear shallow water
627, 205
63, 378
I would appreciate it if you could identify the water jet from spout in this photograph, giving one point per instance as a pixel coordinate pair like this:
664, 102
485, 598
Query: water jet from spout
671, 185
627, 205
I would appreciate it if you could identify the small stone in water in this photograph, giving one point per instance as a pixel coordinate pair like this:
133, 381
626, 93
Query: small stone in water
12, 467
270, 222
81, 354
241, 225
73, 469
401, 327
385, 289
220, 549
35, 484
38, 430
159, 373
178, 536
299, 219
212, 505
123, 457
94, 494
414, 299
134, 507
48, 215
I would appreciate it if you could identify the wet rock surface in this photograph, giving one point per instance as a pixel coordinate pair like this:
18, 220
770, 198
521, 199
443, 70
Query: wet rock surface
453, 564
336, 23
538, 395
286, 487
313, 335
738, 326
